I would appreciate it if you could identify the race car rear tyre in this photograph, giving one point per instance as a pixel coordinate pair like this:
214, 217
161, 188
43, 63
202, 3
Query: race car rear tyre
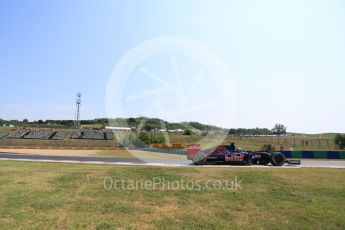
200, 158
277, 159
201, 162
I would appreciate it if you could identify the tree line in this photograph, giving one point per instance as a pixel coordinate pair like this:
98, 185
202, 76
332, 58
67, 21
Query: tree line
148, 124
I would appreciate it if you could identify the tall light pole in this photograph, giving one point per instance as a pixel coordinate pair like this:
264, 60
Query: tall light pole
77, 115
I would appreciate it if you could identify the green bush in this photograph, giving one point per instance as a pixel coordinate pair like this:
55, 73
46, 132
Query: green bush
188, 132
150, 139
339, 140
266, 148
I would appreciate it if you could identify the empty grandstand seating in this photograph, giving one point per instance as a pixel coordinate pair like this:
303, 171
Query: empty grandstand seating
19, 133
94, 135
77, 135
108, 135
39, 134
58, 136
3, 134
46, 134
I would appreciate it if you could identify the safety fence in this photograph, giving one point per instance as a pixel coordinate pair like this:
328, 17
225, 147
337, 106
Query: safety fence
287, 141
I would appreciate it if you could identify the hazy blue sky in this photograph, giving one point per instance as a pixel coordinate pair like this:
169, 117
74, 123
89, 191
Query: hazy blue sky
286, 58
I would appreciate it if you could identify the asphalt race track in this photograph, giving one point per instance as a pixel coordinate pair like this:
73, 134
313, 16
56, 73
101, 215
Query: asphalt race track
153, 161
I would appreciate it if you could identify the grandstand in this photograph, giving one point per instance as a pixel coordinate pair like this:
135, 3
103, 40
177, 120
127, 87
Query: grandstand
108, 135
92, 135
3, 134
19, 133
34, 134
49, 134
58, 136
77, 135
39, 134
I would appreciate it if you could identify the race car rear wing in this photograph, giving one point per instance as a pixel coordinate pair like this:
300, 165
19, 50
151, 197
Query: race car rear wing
192, 150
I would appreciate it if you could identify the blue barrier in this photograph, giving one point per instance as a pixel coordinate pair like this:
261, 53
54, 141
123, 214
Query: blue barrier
315, 154
170, 151
333, 155
287, 154
308, 154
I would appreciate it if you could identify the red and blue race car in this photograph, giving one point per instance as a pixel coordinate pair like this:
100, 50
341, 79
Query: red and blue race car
228, 154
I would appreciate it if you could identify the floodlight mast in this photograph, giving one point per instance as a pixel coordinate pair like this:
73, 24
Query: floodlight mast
77, 119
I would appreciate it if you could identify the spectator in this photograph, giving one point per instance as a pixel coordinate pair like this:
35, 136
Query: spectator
281, 148
273, 148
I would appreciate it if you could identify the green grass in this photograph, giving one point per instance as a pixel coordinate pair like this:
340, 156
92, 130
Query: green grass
64, 196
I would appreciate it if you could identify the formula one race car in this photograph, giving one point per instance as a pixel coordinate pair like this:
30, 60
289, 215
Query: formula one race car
228, 154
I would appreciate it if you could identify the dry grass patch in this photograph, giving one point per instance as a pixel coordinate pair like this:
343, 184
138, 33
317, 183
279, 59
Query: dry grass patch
37, 195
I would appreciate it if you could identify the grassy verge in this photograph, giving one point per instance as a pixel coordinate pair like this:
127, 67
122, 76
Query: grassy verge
61, 196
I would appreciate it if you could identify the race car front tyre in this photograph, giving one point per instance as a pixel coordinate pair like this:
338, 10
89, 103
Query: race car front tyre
248, 163
277, 159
